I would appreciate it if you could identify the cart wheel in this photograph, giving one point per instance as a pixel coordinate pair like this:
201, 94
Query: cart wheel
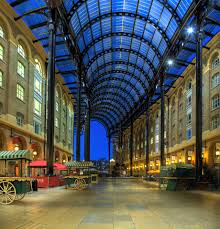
80, 184
7, 192
20, 196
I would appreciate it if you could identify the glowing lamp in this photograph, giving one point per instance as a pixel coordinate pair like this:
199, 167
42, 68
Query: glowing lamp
217, 153
190, 30
35, 153
170, 62
16, 148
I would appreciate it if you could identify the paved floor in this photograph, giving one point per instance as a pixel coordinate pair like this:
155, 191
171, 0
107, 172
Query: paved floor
126, 204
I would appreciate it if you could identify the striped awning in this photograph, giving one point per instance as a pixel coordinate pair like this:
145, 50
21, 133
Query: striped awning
79, 164
18, 154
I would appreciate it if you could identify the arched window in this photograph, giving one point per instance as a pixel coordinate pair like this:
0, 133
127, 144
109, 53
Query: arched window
38, 67
189, 85
1, 52
1, 78
38, 78
2, 34
215, 63
21, 51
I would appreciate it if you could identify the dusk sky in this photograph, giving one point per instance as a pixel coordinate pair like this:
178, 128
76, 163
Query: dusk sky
98, 142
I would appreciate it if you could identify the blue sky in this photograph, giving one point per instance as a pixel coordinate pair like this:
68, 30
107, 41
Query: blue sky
98, 141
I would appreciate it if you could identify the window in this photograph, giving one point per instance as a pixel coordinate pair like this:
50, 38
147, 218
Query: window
1, 52
215, 63
20, 92
20, 119
215, 122
38, 67
57, 95
56, 122
2, 34
1, 78
215, 102
189, 133
37, 127
215, 80
157, 135
189, 118
57, 106
37, 107
20, 69
21, 51
38, 86
189, 101
189, 85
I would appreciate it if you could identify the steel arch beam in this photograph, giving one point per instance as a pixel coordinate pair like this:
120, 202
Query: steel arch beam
113, 105
103, 100
101, 120
98, 81
94, 92
121, 63
121, 71
112, 50
111, 108
79, 3
116, 34
108, 114
102, 94
111, 122
126, 14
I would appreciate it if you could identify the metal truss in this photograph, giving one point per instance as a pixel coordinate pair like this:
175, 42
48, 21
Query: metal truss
165, 3
116, 34
110, 86
113, 105
100, 80
115, 95
112, 50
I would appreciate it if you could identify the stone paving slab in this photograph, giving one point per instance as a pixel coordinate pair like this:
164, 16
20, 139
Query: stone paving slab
112, 204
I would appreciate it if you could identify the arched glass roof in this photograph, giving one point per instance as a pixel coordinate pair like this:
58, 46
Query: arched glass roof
122, 45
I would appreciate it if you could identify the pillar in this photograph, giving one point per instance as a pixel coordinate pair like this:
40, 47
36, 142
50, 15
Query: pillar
78, 121
131, 149
162, 162
51, 88
199, 37
87, 137
147, 139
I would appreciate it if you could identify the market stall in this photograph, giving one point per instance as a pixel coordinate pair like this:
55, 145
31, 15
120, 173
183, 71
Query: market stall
79, 175
39, 171
177, 177
14, 183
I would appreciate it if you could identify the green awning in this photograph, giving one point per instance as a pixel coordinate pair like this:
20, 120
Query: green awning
13, 155
79, 164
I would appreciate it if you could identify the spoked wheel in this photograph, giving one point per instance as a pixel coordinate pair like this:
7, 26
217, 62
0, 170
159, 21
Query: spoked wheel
20, 196
7, 192
80, 183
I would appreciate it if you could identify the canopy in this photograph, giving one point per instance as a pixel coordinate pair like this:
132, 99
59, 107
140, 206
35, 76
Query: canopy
43, 163
79, 164
16, 154
121, 45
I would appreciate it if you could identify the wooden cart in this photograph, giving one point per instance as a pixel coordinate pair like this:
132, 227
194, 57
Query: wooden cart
79, 176
14, 188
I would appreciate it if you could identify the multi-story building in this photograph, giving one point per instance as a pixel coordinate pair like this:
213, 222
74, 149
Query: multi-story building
180, 120
23, 96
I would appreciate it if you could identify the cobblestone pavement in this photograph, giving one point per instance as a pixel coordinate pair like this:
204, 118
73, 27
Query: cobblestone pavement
115, 203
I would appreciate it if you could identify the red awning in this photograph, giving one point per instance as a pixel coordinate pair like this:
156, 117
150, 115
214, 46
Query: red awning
42, 163
39, 163
59, 166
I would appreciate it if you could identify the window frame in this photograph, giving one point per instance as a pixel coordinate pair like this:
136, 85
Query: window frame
21, 51
215, 102
20, 92
1, 79
20, 69
2, 52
